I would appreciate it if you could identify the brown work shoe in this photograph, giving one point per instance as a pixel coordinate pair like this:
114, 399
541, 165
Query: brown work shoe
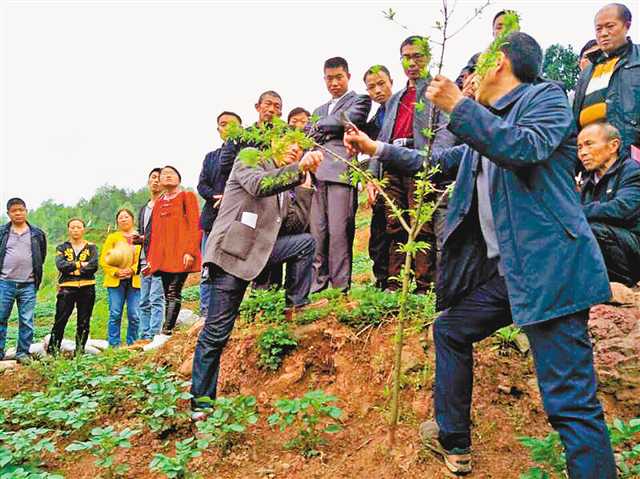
457, 460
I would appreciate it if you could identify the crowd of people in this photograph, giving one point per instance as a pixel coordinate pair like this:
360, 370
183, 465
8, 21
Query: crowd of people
545, 211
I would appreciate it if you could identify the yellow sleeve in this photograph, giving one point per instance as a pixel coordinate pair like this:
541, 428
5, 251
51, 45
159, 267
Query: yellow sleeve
109, 243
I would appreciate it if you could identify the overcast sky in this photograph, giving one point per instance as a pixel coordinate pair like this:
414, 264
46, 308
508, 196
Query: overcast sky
100, 92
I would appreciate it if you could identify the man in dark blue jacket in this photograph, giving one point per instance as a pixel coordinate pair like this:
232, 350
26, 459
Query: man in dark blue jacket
23, 248
611, 200
379, 87
213, 178
516, 248
609, 86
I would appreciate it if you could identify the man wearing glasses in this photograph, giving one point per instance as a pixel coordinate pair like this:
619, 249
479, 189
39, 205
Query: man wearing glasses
403, 126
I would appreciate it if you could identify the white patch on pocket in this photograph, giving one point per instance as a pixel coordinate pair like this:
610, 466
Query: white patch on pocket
249, 219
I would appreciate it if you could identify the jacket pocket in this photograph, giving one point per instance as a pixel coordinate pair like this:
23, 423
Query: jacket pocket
567, 229
238, 240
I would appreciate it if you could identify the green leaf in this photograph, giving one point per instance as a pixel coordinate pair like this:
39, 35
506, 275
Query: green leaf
333, 428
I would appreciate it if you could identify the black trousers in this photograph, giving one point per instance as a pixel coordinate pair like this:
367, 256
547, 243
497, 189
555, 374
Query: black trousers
83, 299
172, 284
379, 242
226, 296
621, 251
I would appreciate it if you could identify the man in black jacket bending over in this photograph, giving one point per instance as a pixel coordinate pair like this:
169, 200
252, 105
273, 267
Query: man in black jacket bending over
611, 200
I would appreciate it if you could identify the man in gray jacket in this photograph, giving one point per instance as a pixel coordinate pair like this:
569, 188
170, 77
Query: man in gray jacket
333, 209
404, 125
246, 238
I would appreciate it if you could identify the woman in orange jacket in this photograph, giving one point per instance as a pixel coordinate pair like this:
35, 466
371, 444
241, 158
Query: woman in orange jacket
173, 246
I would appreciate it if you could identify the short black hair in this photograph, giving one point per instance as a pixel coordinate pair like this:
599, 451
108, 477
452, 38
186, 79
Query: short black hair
376, 69
229, 113
623, 12
296, 111
155, 170
174, 169
71, 220
15, 201
411, 40
498, 15
587, 46
525, 56
269, 93
336, 62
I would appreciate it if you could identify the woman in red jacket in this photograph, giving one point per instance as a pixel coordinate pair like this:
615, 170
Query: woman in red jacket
173, 246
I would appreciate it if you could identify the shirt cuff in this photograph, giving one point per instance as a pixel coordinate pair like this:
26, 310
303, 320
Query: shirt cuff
379, 147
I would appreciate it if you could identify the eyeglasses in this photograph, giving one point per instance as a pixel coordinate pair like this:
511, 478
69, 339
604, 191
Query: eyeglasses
412, 56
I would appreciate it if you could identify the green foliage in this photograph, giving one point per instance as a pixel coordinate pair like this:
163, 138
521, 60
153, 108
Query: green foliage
548, 453
371, 306
488, 60
561, 64
624, 437
504, 339
311, 415
192, 293
61, 410
176, 467
20, 454
269, 141
161, 393
103, 443
228, 420
98, 212
265, 305
274, 343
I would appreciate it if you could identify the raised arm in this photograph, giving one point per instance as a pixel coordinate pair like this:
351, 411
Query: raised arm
543, 125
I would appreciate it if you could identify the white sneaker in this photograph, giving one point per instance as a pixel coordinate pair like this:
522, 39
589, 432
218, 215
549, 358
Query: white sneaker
158, 341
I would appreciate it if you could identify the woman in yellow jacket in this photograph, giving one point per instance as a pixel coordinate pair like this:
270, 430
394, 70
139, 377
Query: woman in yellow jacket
119, 260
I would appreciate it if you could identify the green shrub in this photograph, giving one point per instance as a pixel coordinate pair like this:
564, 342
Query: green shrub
103, 443
273, 344
20, 454
504, 339
192, 293
266, 306
176, 467
227, 421
311, 415
548, 453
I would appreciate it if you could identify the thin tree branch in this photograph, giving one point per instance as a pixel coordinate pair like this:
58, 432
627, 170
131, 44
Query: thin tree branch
478, 11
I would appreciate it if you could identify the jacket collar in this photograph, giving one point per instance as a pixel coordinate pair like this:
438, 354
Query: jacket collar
510, 98
600, 56
613, 169
339, 101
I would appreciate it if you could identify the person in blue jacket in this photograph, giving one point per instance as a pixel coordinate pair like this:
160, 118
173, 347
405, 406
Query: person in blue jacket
215, 172
516, 248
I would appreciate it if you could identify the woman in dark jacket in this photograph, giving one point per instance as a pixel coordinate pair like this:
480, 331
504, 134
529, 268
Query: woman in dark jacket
77, 262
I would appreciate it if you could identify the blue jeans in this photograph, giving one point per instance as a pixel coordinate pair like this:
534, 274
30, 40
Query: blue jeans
563, 358
24, 295
151, 309
205, 284
226, 295
117, 298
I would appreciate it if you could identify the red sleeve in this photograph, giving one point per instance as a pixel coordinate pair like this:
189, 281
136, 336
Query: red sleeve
192, 214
